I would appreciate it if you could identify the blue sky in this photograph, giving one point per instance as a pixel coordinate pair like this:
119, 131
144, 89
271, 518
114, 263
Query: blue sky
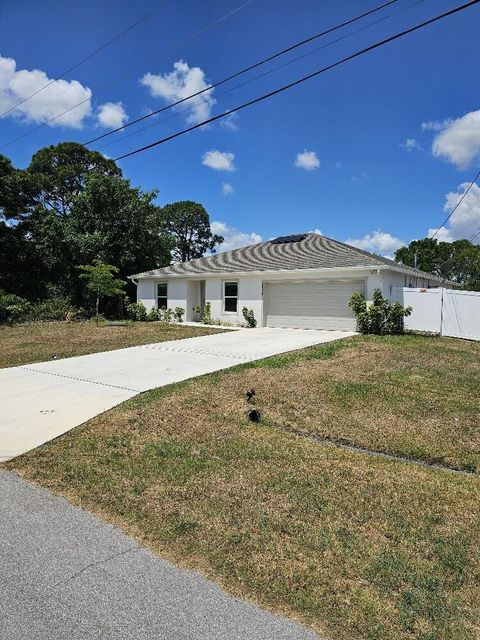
381, 144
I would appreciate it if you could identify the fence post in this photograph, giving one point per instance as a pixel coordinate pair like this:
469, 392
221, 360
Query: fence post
441, 309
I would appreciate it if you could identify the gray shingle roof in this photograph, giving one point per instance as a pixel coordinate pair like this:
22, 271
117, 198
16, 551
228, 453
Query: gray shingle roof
313, 252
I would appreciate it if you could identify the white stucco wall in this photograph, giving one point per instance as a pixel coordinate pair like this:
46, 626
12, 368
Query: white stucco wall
146, 293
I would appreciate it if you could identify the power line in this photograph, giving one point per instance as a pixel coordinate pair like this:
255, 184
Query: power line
303, 79
262, 75
246, 69
457, 205
164, 51
249, 81
475, 235
89, 56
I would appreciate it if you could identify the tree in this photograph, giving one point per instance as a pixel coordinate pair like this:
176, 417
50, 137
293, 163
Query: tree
100, 280
458, 261
117, 224
58, 174
189, 224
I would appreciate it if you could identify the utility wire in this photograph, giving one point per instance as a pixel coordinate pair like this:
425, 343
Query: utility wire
458, 203
249, 81
246, 69
89, 56
303, 79
163, 52
475, 235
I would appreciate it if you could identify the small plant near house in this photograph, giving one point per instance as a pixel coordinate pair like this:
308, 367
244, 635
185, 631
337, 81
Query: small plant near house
206, 317
167, 315
136, 311
381, 317
178, 313
153, 315
249, 317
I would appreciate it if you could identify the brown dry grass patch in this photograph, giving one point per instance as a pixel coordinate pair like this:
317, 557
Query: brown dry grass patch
36, 342
358, 547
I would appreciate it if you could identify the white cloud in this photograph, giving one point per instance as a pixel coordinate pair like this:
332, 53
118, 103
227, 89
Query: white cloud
307, 160
458, 141
111, 115
227, 188
359, 178
17, 85
379, 242
466, 219
234, 238
316, 231
180, 83
219, 160
411, 144
435, 125
230, 121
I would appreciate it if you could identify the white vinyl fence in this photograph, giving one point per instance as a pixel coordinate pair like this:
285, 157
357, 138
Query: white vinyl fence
448, 312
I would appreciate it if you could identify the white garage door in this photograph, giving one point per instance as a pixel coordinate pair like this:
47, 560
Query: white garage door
311, 305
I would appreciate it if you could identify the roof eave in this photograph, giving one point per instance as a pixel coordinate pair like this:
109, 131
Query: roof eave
146, 276
417, 274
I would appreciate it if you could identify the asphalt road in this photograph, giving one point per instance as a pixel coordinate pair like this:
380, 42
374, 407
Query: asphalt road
65, 574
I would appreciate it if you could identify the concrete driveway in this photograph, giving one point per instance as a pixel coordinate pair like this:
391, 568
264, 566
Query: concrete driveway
39, 402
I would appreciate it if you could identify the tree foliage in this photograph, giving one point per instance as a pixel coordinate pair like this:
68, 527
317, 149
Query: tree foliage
189, 225
72, 206
101, 280
458, 261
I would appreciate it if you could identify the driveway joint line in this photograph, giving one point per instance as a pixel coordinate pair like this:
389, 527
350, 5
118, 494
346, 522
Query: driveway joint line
62, 375
201, 352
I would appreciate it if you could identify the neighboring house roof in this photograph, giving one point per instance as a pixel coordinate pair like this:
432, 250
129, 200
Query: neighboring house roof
312, 251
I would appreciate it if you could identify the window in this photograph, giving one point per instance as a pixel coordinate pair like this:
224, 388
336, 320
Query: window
230, 296
162, 297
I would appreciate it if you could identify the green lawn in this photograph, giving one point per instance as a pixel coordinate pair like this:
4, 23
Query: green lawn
357, 546
36, 342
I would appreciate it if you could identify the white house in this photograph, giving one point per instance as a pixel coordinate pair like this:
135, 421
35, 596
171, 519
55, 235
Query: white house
300, 281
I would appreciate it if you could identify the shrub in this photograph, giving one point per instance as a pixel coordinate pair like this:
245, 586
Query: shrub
167, 315
380, 317
249, 317
13, 308
57, 308
178, 314
207, 313
136, 311
153, 315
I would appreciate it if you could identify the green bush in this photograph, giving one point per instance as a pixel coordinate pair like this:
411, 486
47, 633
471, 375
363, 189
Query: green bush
249, 317
178, 314
153, 315
167, 315
57, 308
207, 313
136, 311
13, 308
380, 317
